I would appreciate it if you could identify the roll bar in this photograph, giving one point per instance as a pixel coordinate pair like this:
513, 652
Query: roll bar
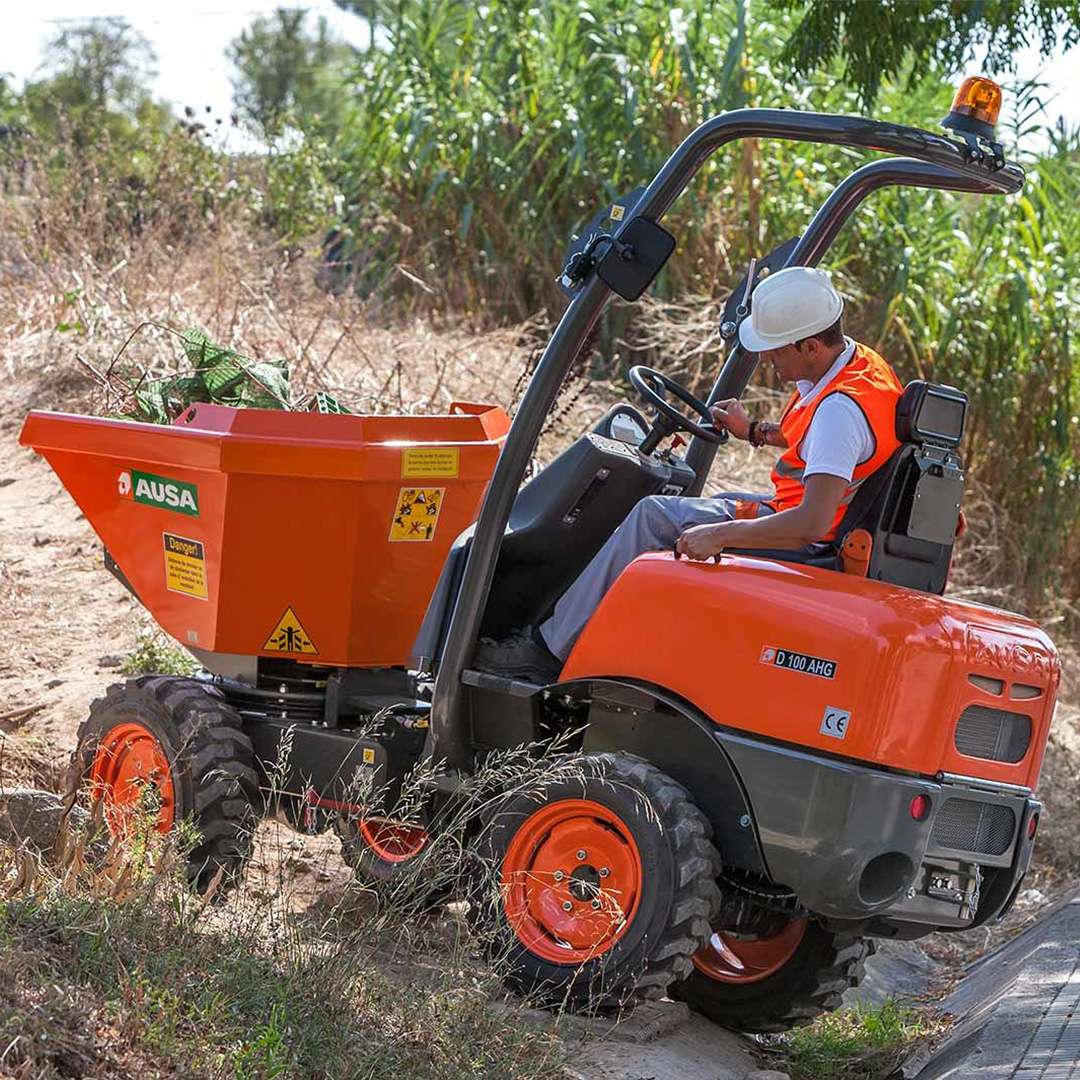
739, 366
956, 161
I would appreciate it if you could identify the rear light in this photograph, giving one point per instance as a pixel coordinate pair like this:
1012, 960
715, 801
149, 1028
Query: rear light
1033, 824
920, 807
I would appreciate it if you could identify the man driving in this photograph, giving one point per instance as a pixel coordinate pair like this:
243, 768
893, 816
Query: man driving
836, 430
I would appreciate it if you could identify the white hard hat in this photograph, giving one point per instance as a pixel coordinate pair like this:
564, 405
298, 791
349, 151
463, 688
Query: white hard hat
789, 305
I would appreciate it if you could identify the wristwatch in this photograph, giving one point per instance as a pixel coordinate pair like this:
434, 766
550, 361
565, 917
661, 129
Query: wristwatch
752, 435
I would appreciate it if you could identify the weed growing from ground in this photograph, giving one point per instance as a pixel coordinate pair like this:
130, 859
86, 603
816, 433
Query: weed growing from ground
155, 654
858, 1044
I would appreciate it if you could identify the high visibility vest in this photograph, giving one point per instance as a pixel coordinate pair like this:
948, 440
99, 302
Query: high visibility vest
869, 381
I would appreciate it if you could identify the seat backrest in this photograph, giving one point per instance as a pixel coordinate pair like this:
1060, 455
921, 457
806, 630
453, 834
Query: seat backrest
911, 505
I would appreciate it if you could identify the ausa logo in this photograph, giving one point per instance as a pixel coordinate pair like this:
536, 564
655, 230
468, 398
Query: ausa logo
159, 491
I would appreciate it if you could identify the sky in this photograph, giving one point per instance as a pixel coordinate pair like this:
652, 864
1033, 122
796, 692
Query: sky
190, 46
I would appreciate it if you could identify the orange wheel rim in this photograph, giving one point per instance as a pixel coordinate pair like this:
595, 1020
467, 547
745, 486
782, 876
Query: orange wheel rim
392, 842
746, 960
128, 758
571, 881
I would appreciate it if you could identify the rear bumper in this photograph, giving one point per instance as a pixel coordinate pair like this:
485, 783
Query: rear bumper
843, 838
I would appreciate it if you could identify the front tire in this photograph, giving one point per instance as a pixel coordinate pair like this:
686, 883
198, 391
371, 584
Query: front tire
181, 738
777, 982
598, 888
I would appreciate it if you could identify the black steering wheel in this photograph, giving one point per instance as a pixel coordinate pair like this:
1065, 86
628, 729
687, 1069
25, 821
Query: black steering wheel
651, 385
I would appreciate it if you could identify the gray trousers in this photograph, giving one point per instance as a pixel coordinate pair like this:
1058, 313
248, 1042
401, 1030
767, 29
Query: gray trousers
653, 525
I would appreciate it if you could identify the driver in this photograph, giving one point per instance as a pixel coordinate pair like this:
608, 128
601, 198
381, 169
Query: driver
837, 429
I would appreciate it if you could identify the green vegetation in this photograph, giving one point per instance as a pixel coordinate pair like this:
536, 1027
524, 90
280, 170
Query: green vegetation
144, 979
156, 654
857, 1044
285, 73
928, 35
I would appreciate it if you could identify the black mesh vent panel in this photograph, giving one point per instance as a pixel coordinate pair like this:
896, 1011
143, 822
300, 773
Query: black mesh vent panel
966, 825
993, 734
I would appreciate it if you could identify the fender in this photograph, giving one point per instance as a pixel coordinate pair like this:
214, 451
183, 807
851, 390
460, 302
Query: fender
638, 718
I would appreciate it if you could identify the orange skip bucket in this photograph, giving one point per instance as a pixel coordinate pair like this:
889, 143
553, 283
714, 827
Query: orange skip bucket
301, 535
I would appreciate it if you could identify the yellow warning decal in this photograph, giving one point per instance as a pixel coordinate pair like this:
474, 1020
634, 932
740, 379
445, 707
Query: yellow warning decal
430, 461
417, 513
617, 212
369, 756
185, 566
290, 636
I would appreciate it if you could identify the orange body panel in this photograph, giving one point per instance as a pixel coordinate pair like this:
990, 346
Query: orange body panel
294, 511
902, 658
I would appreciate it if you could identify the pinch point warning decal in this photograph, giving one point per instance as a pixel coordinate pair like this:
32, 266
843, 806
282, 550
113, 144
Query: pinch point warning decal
185, 566
797, 661
417, 513
290, 636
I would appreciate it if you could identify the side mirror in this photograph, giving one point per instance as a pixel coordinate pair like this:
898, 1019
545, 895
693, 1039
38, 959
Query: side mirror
630, 267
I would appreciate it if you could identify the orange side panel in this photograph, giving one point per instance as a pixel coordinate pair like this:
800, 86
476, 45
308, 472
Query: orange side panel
829, 661
309, 536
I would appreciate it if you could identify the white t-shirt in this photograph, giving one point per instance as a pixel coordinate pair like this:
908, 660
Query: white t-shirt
839, 437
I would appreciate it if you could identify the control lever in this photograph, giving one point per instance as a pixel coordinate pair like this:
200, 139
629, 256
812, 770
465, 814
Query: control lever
744, 307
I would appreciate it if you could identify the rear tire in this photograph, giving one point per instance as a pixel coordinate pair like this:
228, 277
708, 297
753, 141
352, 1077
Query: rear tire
182, 737
594, 890
811, 981
396, 861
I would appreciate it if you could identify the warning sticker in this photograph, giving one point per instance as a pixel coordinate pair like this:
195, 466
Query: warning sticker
430, 461
185, 566
417, 513
290, 636
795, 661
369, 755
617, 212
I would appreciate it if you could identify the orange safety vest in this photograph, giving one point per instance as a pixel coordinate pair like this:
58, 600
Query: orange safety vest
869, 381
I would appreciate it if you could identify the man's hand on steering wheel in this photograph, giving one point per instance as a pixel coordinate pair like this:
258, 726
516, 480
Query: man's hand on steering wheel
729, 415
652, 386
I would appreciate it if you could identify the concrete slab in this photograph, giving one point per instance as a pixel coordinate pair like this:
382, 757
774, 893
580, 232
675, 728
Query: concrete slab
1019, 1007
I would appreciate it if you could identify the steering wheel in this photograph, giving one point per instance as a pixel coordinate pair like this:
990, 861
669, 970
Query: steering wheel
651, 385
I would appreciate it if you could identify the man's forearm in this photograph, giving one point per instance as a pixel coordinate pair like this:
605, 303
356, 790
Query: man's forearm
784, 531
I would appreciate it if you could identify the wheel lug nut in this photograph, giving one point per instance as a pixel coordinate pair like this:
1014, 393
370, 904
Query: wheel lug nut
568, 905
596, 902
604, 871
559, 875
581, 856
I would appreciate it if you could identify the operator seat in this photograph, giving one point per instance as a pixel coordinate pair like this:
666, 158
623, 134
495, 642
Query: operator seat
559, 521
911, 506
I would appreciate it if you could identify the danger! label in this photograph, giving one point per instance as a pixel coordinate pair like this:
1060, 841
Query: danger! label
185, 566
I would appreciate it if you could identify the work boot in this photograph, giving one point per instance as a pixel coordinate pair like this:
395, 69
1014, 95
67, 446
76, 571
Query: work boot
520, 656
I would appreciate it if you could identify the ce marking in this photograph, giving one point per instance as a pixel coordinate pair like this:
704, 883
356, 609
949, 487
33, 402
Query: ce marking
835, 722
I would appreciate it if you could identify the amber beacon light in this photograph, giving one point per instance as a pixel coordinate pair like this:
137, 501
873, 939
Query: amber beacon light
975, 108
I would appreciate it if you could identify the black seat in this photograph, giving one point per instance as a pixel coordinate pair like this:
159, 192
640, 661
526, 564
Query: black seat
559, 521
911, 506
